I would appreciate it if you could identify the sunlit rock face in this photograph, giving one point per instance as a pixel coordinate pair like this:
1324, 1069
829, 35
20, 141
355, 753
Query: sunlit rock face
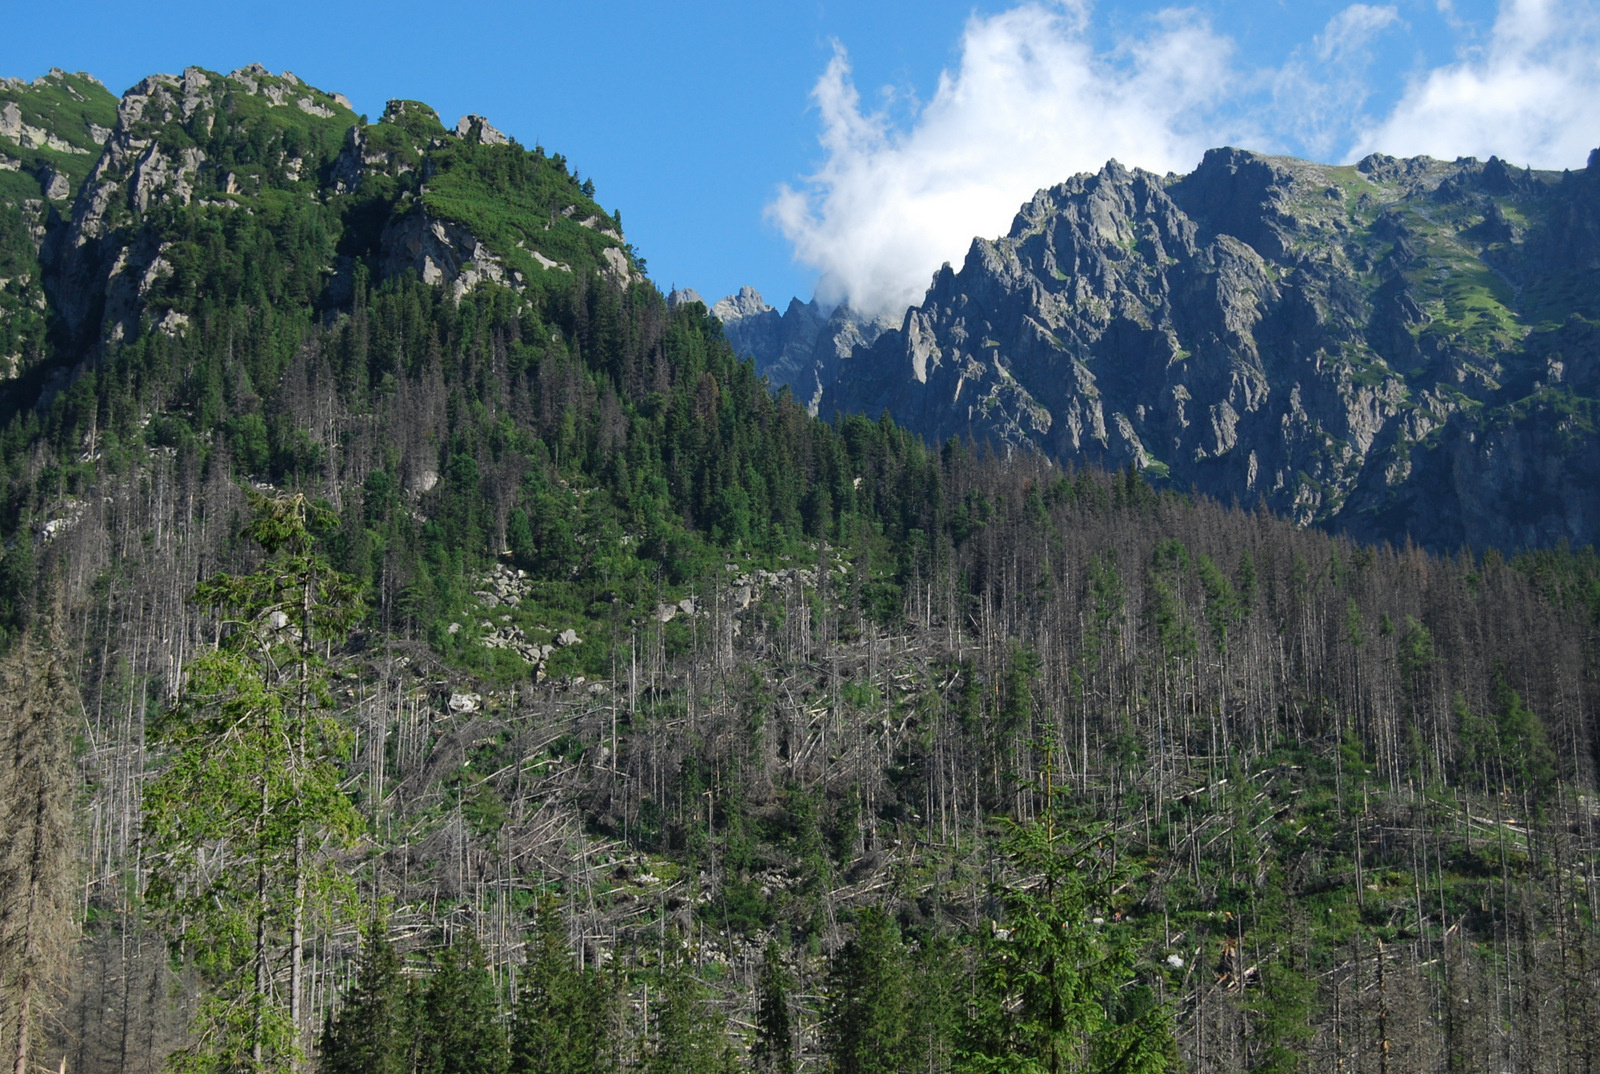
1397, 348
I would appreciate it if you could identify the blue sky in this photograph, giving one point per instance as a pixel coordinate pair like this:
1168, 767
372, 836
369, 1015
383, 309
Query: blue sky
857, 145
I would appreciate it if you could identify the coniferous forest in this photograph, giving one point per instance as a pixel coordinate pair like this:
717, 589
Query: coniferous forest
429, 651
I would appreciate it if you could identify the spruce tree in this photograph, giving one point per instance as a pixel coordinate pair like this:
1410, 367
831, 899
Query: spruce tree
865, 1021
774, 1046
459, 1030
370, 1033
1053, 995
1527, 758
241, 821
564, 1020
686, 1037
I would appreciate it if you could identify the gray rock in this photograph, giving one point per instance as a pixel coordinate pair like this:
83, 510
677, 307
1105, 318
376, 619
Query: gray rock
55, 185
439, 252
477, 129
617, 268
1268, 329
14, 129
800, 348
250, 76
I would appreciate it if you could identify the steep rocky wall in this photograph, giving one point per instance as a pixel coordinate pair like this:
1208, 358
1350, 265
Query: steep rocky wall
1369, 347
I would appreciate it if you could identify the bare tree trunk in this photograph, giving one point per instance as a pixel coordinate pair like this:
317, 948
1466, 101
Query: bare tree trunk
300, 761
24, 1023
297, 945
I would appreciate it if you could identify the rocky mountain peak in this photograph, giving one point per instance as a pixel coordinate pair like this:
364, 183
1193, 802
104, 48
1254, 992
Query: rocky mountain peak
747, 303
1346, 344
800, 348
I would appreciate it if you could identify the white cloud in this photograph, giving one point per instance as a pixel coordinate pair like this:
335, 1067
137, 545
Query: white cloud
1031, 104
1033, 101
1530, 96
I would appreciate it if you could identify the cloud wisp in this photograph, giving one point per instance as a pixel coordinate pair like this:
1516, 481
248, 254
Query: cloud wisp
1034, 100
1323, 87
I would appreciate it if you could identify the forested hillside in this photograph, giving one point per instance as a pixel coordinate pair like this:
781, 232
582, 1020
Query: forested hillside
445, 656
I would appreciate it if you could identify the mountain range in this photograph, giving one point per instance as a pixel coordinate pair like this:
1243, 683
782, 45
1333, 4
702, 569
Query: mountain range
1396, 349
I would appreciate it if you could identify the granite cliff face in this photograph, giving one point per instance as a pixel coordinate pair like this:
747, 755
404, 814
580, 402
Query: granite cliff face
1399, 348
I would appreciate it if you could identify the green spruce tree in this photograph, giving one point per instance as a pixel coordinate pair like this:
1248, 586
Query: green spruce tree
242, 821
1053, 994
865, 1022
565, 1019
687, 1035
370, 1034
460, 1030
773, 1052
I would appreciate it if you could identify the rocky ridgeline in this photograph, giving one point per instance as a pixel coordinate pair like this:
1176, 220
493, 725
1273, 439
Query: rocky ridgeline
800, 348
26, 113
1398, 348
105, 263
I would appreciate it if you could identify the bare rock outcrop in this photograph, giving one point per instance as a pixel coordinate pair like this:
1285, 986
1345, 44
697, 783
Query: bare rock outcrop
1347, 344
800, 348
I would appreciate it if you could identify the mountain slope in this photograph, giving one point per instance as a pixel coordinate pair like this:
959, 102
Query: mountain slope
401, 195
658, 674
51, 131
1398, 349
